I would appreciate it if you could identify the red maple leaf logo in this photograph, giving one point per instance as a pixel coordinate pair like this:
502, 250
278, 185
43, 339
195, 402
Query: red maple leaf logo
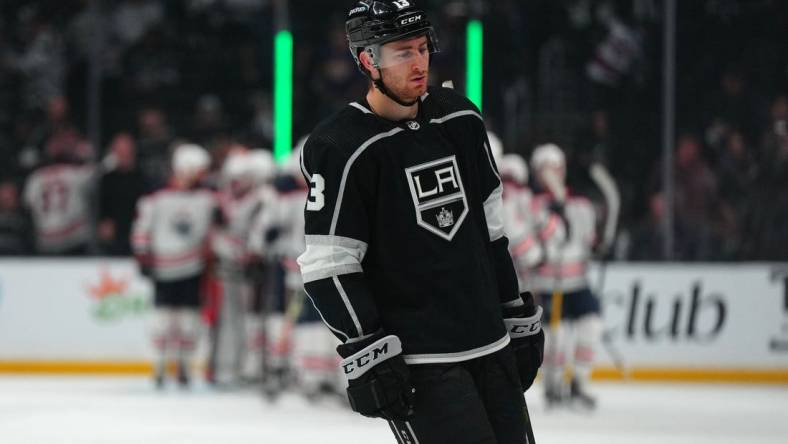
107, 285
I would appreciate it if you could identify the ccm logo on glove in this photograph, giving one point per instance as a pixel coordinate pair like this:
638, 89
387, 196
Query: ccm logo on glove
522, 327
356, 365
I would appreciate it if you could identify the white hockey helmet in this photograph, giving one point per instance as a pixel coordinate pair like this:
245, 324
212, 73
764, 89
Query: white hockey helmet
235, 166
513, 167
548, 154
260, 163
190, 160
496, 146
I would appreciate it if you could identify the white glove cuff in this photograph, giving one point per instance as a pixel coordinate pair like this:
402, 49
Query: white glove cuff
522, 327
360, 362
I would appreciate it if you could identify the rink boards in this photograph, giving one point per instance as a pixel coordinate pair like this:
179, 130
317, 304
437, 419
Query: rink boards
690, 322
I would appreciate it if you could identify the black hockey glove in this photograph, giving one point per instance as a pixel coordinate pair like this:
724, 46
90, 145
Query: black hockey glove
524, 323
378, 378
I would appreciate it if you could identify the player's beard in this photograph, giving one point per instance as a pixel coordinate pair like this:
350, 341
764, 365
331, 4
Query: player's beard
403, 88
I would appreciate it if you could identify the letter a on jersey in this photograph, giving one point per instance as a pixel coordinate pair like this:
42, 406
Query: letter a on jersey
438, 196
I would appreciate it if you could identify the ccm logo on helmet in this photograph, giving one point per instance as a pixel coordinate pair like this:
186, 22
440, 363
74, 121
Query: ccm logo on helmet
410, 20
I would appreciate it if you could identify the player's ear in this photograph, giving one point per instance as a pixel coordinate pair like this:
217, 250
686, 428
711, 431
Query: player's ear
366, 62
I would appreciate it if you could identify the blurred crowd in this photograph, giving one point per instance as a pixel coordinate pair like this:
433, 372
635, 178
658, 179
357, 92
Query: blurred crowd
585, 74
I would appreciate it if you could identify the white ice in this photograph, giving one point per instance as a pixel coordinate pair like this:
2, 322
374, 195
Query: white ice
83, 410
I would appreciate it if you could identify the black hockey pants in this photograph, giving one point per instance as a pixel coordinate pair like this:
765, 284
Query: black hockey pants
479, 401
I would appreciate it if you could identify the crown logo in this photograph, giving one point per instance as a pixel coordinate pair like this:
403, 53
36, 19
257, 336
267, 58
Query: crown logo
445, 218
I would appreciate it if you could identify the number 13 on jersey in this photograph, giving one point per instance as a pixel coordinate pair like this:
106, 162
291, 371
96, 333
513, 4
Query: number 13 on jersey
316, 200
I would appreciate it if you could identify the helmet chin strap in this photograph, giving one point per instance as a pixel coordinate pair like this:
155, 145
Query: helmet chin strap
386, 92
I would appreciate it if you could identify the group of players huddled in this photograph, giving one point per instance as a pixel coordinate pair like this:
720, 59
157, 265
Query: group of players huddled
221, 252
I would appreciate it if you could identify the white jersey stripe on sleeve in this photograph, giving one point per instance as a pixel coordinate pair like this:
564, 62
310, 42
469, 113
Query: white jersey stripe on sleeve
328, 256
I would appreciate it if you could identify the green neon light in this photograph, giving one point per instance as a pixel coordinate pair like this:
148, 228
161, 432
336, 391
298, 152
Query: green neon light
283, 95
473, 62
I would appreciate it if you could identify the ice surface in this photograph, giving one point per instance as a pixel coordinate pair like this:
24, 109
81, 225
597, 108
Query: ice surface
128, 410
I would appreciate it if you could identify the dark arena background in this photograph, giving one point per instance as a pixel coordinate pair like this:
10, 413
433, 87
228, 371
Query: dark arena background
683, 106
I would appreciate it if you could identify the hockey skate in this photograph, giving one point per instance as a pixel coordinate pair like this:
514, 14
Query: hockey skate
275, 382
158, 379
555, 396
579, 397
183, 376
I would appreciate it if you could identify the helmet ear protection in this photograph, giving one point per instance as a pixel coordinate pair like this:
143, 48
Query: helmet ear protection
373, 23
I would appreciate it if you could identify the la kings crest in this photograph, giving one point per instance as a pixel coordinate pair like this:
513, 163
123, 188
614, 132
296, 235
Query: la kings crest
438, 196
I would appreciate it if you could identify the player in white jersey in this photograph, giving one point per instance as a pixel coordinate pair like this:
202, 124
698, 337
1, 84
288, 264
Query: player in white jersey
238, 205
58, 198
170, 238
260, 164
297, 338
526, 225
560, 280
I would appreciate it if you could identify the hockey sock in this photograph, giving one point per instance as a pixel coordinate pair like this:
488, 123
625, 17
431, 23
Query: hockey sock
254, 340
161, 327
188, 332
315, 358
587, 331
555, 357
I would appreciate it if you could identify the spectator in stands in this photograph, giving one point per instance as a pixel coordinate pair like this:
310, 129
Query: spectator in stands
696, 197
14, 222
335, 78
210, 121
736, 173
119, 190
646, 239
131, 19
153, 147
732, 106
771, 193
42, 61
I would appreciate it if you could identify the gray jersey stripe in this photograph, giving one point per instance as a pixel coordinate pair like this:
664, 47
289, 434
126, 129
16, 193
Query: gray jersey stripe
487, 151
456, 114
360, 107
443, 358
345, 173
303, 166
349, 307
342, 241
412, 433
335, 330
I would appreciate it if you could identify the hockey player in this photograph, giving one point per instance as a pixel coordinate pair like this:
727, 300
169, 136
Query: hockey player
406, 259
57, 195
561, 283
238, 205
261, 165
170, 240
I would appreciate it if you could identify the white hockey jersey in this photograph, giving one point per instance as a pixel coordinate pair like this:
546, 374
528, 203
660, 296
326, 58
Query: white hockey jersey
286, 218
57, 196
566, 256
527, 226
172, 230
230, 241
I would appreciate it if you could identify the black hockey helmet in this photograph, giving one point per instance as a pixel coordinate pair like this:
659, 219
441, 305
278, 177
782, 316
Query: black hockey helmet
372, 23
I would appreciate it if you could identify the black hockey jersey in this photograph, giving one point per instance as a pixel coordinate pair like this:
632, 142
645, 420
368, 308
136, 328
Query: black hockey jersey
404, 230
